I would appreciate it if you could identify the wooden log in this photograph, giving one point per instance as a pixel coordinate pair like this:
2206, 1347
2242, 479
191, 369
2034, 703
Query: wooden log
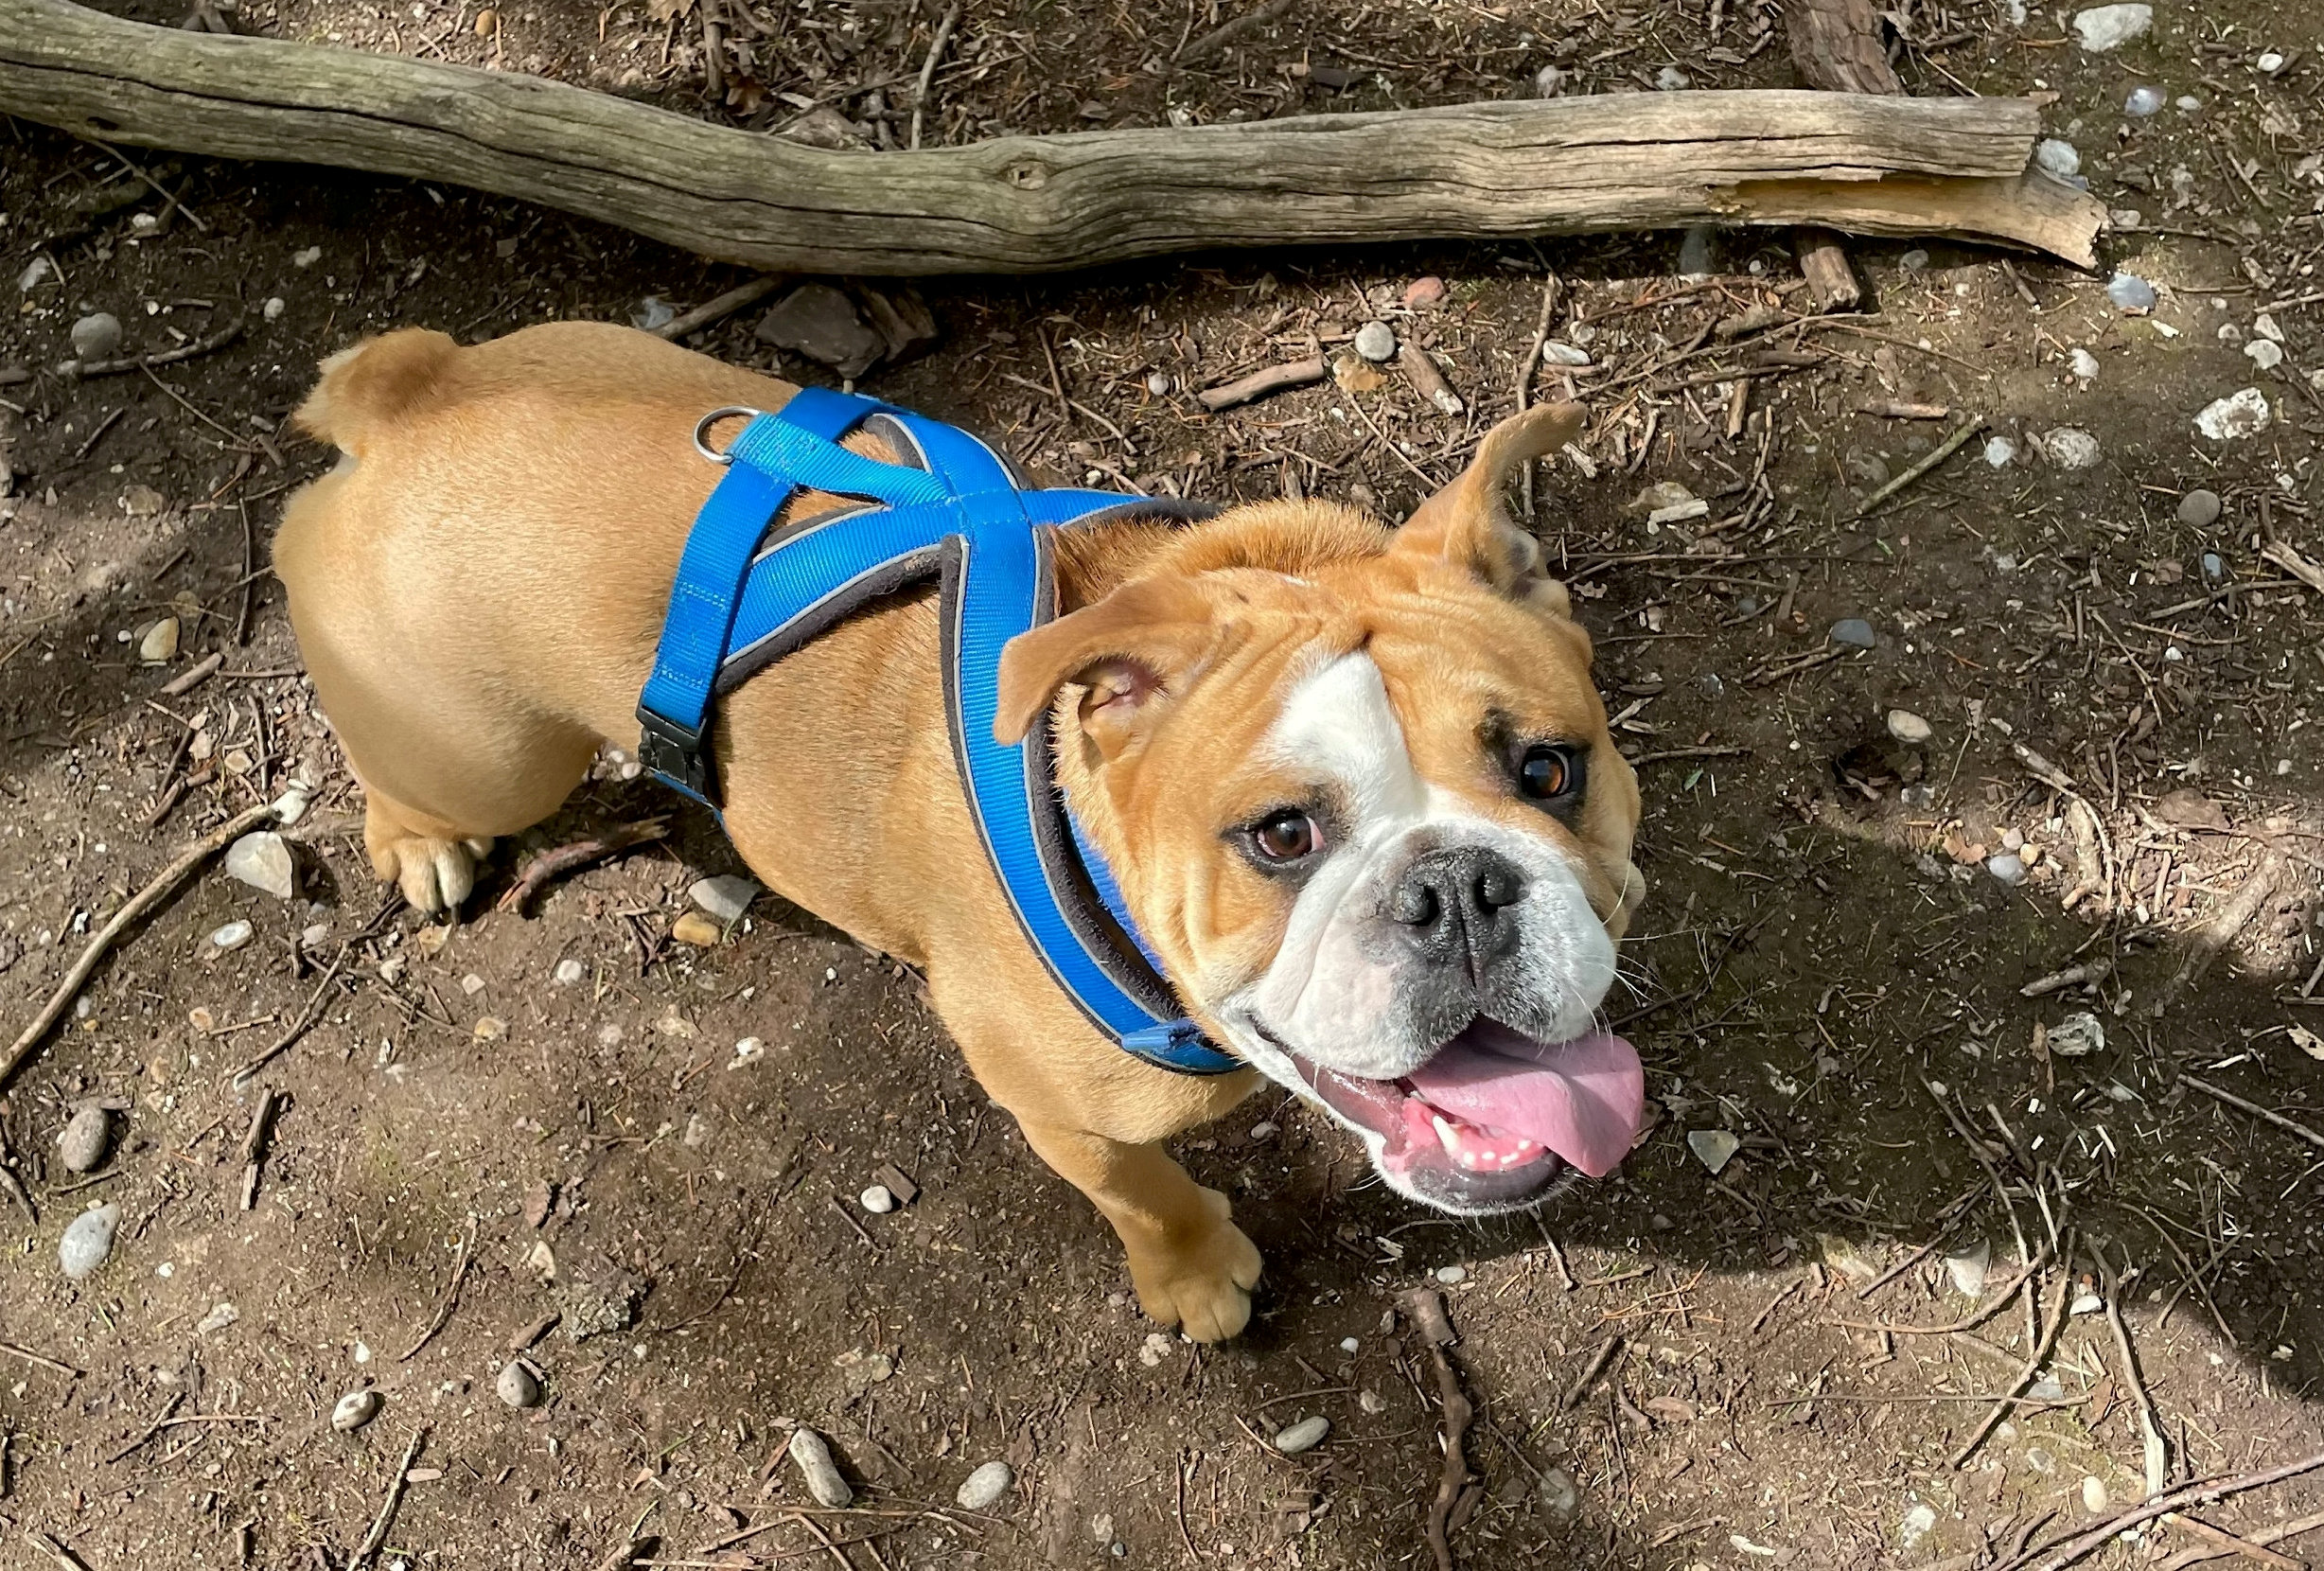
1043, 203
1836, 47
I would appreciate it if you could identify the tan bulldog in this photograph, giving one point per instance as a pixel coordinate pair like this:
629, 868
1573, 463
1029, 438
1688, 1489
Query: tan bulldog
1355, 782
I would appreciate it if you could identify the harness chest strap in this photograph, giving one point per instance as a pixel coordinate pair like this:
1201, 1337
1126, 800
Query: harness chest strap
744, 598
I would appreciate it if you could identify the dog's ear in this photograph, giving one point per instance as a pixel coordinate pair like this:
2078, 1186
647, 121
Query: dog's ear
1467, 523
1131, 652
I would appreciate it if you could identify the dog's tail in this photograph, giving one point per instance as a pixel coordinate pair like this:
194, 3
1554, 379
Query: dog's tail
374, 383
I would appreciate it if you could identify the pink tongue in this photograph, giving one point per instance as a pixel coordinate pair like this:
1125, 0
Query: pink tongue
1581, 1099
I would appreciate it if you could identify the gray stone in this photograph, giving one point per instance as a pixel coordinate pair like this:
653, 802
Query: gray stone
569, 971
2143, 102
1559, 1494
983, 1489
1555, 353
2199, 509
2085, 365
652, 313
724, 898
1671, 79
811, 1452
2104, 29
96, 336
607, 1302
2078, 1035
1965, 1269
1159, 383
2061, 158
1304, 1436
2214, 566
354, 1410
1697, 252
86, 1141
1713, 1148
221, 1316
2239, 414
1914, 261
1855, 632
2069, 448
1452, 1275
1376, 341
2007, 866
1909, 728
231, 937
88, 1242
2265, 353
2130, 292
262, 860
516, 1384
821, 322
2000, 451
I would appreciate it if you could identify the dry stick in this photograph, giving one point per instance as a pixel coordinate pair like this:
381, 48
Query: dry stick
253, 1144
1550, 290
2232, 920
2258, 1537
2282, 554
1970, 1322
2191, 1494
2234, 1545
189, 350
31, 1357
1231, 32
927, 68
718, 307
186, 680
1937, 455
377, 1536
2025, 1376
1976, 1149
1424, 1308
298, 1028
136, 906
2158, 1451
1272, 379
177, 1399
450, 1300
2062, 782
56, 1551
1590, 1376
2287, 1125
551, 865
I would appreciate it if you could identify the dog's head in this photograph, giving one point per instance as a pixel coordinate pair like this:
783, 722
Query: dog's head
1358, 789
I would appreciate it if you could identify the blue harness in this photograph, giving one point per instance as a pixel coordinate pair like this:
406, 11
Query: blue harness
745, 597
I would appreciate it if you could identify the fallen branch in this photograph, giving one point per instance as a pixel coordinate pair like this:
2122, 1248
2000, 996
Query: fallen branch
1937, 455
2277, 1120
2025, 1376
1272, 379
450, 1300
1038, 204
2192, 1494
136, 906
365, 1551
31, 1357
549, 866
2224, 928
1424, 1308
190, 349
718, 307
2261, 1537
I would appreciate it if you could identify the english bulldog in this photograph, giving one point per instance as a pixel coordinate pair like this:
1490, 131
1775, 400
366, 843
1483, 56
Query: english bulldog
1353, 781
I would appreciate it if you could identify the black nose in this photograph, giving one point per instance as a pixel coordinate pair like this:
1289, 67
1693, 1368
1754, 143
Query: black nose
1453, 906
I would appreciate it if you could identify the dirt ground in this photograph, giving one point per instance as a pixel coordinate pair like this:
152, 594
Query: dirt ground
1827, 937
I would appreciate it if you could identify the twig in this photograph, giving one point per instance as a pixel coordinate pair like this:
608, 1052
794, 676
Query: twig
169, 201
253, 1143
56, 1551
1590, 1376
177, 1399
2284, 556
551, 865
1424, 1308
96, 436
190, 351
2158, 1451
2191, 1494
2232, 1544
1976, 1149
1232, 32
1672, 754
2287, 1125
450, 1300
193, 677
250, 576
2259, 1537
927, 68
2231, 920
136, 906
1943, 451
1270, 378
377, 1536
718, 307
298, 1028
2025, 1376
31, 1357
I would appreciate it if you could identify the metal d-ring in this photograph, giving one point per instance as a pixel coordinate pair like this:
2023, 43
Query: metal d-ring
701, 430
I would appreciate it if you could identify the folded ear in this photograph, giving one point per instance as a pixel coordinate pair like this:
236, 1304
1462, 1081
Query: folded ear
1131, 651
1467, 524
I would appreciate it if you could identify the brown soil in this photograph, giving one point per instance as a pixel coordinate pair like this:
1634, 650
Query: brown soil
1823, 937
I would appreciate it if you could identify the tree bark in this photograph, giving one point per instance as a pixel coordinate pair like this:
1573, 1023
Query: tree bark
1044, 204
1835, 48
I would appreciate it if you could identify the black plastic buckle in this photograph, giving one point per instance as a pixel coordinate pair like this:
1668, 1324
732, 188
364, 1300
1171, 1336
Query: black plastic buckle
674, 752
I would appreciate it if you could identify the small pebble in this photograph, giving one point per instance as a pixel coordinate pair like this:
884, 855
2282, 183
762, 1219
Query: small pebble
1713, 1148
516, 1384
2214, 566
2085, 1303
231, 937
878, 1200
652, 313
85, 1141
1671, 79
2070, 448
1695, 252
697, 930
221, 1316
274, 308
2007, 866
2270, 63
2000, 451
2265, 353
2085, 365
1424, 292
1914, 261
2102, 29
355, 1409
1549, 83
1266, 1129
307, 257
315, 935
1452, 1275
725, 897
1909, 728
2078, 1035
1159, 383
2239, 414
1375, 343
2199, 509
1559, 1492
2094, 1497
1371, 1401
2143, 102
2060, 158
96, 336
1304, 1436
1855, 633
262, 860
88, 1242
984, 1488
811, 1452
1555, 353
1966, 1269
1348, 1344
569, 972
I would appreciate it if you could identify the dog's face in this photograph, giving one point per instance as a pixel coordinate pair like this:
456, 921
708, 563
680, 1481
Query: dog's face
1359, 792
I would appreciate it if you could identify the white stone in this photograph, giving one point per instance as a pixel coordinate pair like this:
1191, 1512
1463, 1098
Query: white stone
811, 1454
2266, 327
231, 937
516, 1384
1713, 1148
2060, 158
2078, 1035
1304, 1436
1966, 1269
221, 1316
1376, 341
570, 971
2104, 29
724, 898
1555, 353
2237, 415
262, 860
355, 1409
1909, 728
1918, 1524
274, 308
983, 1489
2000, 451
2265, 353
879, 1200
307, 257
292, 806
96, 336
2069, 448
2084, 363
160, 643
1452, 1275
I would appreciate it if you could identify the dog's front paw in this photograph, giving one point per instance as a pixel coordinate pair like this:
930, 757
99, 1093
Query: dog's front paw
434, 875
1202, 1285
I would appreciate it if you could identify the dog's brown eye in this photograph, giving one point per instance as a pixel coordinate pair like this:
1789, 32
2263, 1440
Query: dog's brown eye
1546, 773
1285, 836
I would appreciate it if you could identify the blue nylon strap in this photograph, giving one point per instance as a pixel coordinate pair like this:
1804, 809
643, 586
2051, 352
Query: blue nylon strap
731, 597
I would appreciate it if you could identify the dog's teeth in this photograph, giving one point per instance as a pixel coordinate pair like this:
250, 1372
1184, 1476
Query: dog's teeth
1444, 1132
